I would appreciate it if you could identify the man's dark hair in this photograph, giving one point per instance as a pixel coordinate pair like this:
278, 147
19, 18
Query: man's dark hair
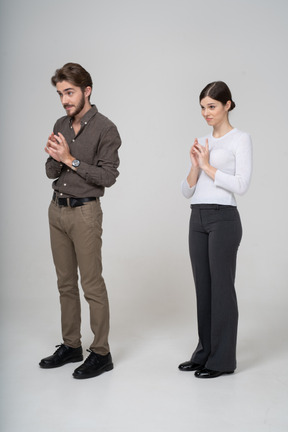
73, 73
219, 91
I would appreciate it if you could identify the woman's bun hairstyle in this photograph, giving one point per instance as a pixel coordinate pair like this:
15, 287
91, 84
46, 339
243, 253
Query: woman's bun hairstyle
219, 91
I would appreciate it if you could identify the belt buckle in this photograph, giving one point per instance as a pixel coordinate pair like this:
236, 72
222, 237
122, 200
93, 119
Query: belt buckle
62, 202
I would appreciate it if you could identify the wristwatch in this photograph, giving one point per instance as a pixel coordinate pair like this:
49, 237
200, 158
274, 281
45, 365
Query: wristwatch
75, 163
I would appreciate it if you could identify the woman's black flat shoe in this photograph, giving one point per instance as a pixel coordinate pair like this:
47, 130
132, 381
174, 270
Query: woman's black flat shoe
208, 373
189, 366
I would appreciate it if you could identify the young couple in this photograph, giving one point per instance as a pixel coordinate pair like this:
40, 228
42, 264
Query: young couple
83, 160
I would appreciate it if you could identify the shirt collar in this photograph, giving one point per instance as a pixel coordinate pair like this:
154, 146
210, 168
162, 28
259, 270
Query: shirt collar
87, 116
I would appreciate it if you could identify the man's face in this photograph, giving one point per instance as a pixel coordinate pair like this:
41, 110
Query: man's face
72, 98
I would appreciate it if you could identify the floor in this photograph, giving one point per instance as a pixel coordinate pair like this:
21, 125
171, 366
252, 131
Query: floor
145, 391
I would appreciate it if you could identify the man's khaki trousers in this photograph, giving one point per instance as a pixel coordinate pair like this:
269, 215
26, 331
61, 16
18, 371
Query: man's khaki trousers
76, 243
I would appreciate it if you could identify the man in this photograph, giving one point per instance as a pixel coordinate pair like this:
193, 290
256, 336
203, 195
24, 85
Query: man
83, 158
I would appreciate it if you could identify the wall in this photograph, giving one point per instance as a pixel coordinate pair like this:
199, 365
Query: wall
149, 60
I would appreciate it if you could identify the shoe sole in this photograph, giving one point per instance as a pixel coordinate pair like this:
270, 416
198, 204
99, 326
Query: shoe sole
74, 360
99, 372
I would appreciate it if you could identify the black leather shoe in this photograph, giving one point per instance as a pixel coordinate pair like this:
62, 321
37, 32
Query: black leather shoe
94, 365
208, 373
61, 356
189, 366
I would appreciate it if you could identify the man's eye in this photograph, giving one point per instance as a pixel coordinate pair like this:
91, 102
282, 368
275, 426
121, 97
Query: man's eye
70, 93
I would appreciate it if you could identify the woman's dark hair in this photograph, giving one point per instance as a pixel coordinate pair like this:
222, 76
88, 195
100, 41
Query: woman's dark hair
75, 74
219, 91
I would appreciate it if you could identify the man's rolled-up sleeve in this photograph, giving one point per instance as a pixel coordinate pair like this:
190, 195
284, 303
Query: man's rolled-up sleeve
53, 168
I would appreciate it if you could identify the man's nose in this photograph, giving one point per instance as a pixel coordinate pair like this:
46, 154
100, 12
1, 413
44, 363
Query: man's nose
64, 99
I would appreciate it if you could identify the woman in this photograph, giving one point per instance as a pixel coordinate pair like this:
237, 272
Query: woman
221, 165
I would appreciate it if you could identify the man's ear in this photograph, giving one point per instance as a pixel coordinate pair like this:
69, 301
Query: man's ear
87, 91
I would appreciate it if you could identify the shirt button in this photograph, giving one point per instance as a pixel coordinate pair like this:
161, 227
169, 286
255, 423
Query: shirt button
73, 140
65, 184
68, 170
61, 193
85, 123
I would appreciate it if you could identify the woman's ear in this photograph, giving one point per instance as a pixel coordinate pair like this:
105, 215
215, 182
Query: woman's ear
228, 105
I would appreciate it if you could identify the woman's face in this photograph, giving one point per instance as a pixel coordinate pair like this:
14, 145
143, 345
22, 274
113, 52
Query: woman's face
214, 112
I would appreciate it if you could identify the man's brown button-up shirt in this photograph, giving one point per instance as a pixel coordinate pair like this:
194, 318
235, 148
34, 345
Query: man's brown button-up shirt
96, 147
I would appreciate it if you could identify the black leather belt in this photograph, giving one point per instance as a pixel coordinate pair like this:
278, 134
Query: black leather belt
71, 202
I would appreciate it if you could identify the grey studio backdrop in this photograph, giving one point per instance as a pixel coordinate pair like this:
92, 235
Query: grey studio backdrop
149, 60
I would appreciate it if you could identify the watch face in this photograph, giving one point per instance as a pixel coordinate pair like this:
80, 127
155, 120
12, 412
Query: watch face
76, 163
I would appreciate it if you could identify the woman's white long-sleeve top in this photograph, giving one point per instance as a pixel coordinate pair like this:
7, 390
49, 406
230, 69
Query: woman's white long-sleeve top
231, 155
